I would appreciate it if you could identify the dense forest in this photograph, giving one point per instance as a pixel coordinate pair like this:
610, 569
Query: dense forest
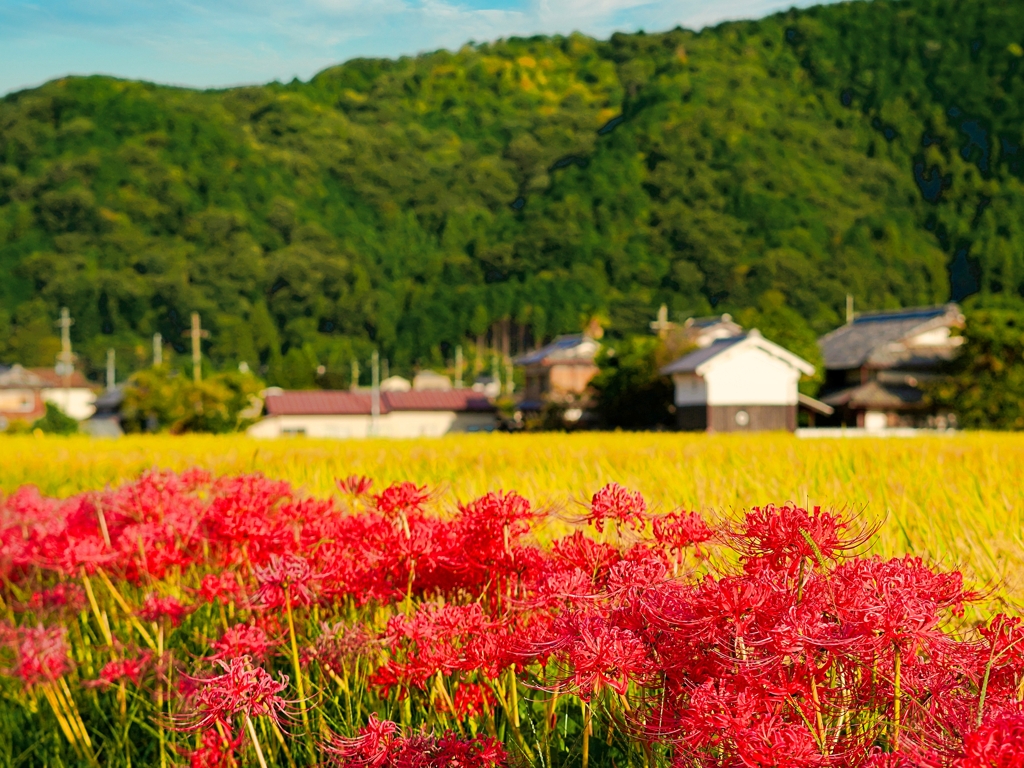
514, 190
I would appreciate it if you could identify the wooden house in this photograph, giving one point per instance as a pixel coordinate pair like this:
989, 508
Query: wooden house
742, 383
559, 372
24, 393
876, 364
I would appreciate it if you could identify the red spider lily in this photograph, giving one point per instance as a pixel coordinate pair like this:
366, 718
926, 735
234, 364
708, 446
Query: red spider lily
215, 751
355, 485
283, 579
123, 669
340, 644
220, 587
998, 743
372, 748
156, 608
380, 745
70, 596
678, 530
786, 536
242, 689
613, 502
401, 497
41, 654
241, 640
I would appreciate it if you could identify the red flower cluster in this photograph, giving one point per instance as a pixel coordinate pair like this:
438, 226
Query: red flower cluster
764, 641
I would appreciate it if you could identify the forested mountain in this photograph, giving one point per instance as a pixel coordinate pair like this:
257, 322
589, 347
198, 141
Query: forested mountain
527, 185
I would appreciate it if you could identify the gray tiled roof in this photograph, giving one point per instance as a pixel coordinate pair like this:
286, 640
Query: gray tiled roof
560, 349
852, 345
689, 363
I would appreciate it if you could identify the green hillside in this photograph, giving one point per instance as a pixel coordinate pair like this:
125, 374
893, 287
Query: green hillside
768, 166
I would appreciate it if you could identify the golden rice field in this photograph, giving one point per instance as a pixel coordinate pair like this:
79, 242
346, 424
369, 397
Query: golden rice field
955, 500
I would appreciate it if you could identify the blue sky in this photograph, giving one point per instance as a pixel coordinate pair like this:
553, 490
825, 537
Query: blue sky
209, 43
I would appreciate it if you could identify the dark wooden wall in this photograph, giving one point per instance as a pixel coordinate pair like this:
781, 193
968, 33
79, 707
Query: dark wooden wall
760, 418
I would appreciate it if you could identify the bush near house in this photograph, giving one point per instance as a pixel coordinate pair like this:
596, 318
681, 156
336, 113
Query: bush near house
157, 399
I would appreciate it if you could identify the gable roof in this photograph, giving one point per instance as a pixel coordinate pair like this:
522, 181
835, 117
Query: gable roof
697, 361
574, 348
854, 344
344, 403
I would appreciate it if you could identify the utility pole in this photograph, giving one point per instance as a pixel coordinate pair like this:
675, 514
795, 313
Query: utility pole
509, 384
374, 392
158, 350
849, 308
662, 326
66, 360
355, 375
111, 370
197, 334
458, 367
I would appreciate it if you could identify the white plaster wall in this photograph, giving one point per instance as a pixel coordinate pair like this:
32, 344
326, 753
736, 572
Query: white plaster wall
396, 424
750, 376
312, 426
691, 389
76, 402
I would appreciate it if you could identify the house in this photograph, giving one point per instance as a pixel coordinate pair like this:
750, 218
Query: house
431, 381
875, 366
742, 383
559, 372
339, 413
24, 393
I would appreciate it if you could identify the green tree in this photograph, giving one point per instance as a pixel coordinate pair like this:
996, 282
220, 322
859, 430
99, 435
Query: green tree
630, 391
157, 399
56, 422
985, 383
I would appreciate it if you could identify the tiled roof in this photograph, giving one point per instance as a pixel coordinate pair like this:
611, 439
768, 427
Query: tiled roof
53, 379
568, 349
689, 363
876, 396
313, 402
852, 345
341, 403
437, 400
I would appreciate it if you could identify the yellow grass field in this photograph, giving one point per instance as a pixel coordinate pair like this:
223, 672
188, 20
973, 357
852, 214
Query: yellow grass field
955, 500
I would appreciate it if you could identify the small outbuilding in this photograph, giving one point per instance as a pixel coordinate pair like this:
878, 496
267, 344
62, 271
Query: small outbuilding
743, 383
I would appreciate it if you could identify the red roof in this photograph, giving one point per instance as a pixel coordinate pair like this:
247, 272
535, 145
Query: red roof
53, 379
319, 402
438, 400
342, 403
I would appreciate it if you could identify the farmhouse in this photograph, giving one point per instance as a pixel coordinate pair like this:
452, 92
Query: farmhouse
559, 372
875, 366
24, 393
338, 413
738, 384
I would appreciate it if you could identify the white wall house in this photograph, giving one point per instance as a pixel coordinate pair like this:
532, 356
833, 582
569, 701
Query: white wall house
742, 383
341, 414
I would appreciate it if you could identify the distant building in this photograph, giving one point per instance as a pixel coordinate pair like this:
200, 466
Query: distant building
395, 384
106, 421
742, 383
338, 413
704, 331
876, 364
559, 372
430, 381
24, 393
